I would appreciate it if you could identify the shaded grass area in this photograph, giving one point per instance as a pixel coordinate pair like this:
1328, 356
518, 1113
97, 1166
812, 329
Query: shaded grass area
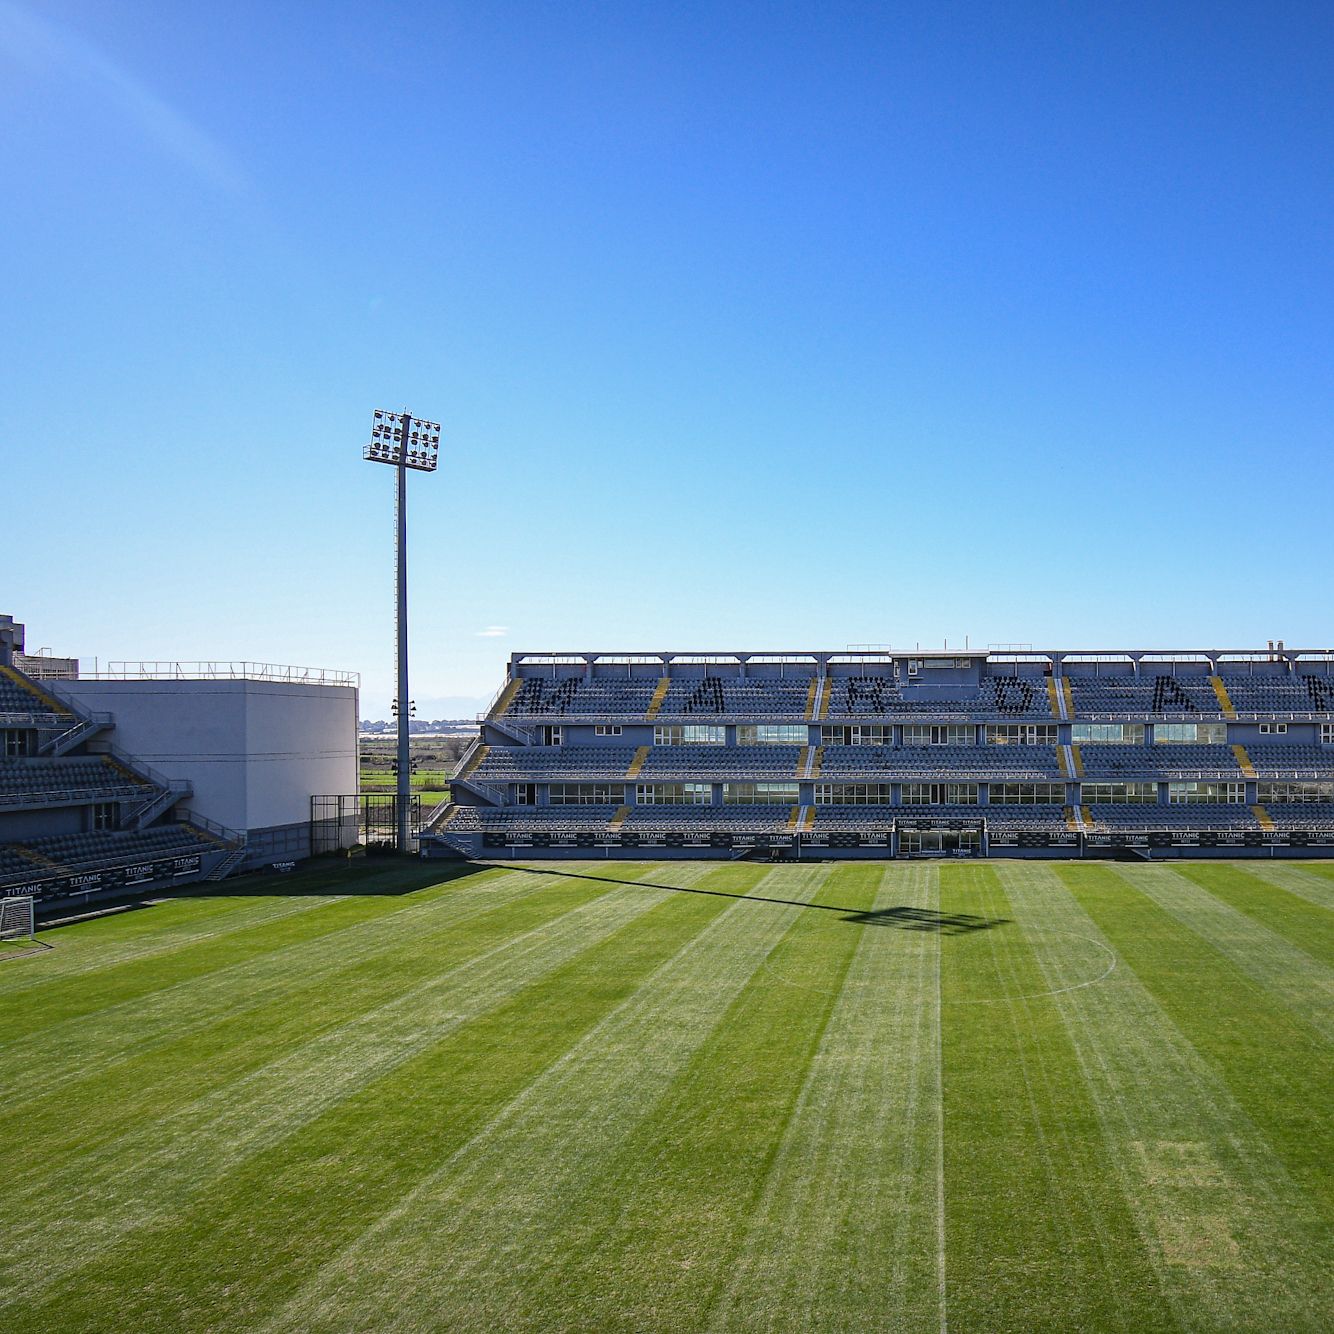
635, 1096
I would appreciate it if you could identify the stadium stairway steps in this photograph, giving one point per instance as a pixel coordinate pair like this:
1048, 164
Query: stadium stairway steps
48, 702
637, 763
83, 730
440, 817
472, 760
1224, 699
506, 698
1244, 762
227, 865
1263, 816
808, 762
617, 820
161, 801
522, 735
1061, 700
1070, 761
800, 818
659, 694
817, 699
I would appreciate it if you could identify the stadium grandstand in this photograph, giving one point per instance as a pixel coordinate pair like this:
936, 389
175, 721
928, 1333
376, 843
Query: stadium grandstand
83, 817
880, 753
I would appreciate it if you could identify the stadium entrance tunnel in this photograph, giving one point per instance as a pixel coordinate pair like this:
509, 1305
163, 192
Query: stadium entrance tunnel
940, 843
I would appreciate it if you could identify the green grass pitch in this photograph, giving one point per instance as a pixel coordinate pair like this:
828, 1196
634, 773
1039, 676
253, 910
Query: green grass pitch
683, 1096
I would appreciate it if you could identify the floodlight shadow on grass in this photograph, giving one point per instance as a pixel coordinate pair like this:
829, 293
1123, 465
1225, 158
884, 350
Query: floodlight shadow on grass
903, 918
927, 919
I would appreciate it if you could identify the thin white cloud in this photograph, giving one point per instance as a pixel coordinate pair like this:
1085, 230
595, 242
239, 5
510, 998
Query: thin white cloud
493, 632
39, 42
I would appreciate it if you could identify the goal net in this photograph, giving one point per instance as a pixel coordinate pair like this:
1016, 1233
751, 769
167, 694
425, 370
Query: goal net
16, 919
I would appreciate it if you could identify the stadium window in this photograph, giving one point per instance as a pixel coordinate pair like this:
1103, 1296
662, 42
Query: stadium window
852, 794
1276, 729
939, 794
1107, 734
1282, 794
525, 794
859, 734
587, 794
607, 729
553, 736
104, 815
772, 734
1119, 794
691, 734
1206, 794
1021, 734
1027, 794
947, 734
1189, 734
1327, 734
673, 794
761, 794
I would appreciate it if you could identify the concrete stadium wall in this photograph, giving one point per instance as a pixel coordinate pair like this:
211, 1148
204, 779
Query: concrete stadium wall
255, 751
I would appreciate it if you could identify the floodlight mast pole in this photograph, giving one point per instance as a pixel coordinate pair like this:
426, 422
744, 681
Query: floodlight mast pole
405, 442
404, 802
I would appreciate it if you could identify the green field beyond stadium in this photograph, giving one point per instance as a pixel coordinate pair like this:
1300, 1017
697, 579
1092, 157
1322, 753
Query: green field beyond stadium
684, 1096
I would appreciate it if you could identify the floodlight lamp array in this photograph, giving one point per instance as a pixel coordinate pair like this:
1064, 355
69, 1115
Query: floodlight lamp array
419, 450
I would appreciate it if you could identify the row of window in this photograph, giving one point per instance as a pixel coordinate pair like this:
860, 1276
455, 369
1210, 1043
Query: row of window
954, 734
787, 793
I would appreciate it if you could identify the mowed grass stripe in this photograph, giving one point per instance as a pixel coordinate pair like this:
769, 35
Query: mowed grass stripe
1294, 879
1276, 1068
56, 1224
654, 1240
166, 924
1273, 902
1198, 898
844, 1234
120, 1097
478, 1243
133, 980
274, 966
1038, 1235
235, 1254
1208, 1128
76, 950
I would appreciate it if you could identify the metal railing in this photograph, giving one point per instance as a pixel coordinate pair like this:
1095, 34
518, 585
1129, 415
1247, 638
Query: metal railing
222, 671
136, 766
66, 796
87, 725
39, 719
236, 837
491, 793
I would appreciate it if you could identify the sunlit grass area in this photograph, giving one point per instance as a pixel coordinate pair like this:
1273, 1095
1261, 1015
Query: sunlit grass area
640, 1096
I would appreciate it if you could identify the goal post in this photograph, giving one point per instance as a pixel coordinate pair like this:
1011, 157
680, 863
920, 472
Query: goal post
17, 917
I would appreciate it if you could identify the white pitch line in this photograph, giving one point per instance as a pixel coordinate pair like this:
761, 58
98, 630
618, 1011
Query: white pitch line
1057, 991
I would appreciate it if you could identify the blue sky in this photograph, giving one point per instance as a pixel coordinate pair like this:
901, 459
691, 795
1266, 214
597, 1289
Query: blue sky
768, 326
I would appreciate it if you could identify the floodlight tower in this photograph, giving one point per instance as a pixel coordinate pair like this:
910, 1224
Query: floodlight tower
403, 442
